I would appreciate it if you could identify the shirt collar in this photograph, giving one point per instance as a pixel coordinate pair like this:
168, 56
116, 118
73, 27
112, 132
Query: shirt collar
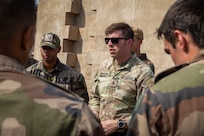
8, 63
169, 71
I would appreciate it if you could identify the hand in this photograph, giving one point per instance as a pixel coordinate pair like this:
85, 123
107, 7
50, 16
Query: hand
109, 126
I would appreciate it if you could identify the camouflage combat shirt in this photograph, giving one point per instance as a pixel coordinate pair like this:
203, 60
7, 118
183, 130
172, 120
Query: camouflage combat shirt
31, 107
144, 58
174, 105
30, 62
115, 90
62, 75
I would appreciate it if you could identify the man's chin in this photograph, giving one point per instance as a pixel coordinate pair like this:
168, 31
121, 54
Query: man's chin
113, 56
46, 59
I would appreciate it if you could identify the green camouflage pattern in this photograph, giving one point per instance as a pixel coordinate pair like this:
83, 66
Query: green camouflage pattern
30, 106
173, 106
116, 88
144, 58
63, 76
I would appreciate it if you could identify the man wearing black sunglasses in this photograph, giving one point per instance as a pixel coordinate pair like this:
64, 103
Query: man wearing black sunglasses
119, 81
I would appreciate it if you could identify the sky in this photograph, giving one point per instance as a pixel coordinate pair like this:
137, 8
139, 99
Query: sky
36, 1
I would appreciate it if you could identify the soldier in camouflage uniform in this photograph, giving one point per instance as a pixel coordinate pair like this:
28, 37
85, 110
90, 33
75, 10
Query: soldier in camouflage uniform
173, 106
31, 60
118, 81
138, 39
51, 69
30, 106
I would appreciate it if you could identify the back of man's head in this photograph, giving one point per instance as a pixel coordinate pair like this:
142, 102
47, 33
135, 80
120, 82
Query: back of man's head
186, 16
15, 16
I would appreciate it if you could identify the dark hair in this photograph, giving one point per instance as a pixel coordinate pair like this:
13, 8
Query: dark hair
124, 27
186, 16
16, 15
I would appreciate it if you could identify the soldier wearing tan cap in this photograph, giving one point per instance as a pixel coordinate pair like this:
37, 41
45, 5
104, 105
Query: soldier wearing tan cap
138, 38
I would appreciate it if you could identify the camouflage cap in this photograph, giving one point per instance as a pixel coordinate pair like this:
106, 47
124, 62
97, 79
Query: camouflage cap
51, 40
138, 33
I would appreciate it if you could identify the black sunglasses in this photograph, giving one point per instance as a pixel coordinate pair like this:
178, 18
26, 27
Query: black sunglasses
114, 40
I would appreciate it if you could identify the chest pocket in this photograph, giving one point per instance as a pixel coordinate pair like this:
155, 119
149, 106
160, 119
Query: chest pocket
63, 82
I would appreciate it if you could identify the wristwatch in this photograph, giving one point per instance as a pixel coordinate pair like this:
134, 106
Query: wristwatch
121, 124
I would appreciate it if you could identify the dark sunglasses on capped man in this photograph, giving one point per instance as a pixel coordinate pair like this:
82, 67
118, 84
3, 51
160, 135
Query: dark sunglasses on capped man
114, 40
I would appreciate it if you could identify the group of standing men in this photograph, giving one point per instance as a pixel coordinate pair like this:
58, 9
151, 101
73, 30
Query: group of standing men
119, 80
123, 100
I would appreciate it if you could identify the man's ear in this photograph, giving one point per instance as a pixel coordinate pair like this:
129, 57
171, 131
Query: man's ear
130, 42
59, 48
141, 40
28, 38
181, 41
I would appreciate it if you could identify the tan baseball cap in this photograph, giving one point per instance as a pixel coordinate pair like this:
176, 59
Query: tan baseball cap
138, 33
51, 40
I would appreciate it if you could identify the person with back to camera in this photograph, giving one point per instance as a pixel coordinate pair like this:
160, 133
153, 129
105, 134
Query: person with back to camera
138, 39
118, 81
30, 106
51, 69
173, 106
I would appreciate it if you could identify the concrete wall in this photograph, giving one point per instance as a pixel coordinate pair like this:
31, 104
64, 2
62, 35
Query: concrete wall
81, 24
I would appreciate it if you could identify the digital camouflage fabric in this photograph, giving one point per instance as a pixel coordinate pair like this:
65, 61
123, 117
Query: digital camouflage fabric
116, 88
63, 76
31, 107
143, 57
174, 105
